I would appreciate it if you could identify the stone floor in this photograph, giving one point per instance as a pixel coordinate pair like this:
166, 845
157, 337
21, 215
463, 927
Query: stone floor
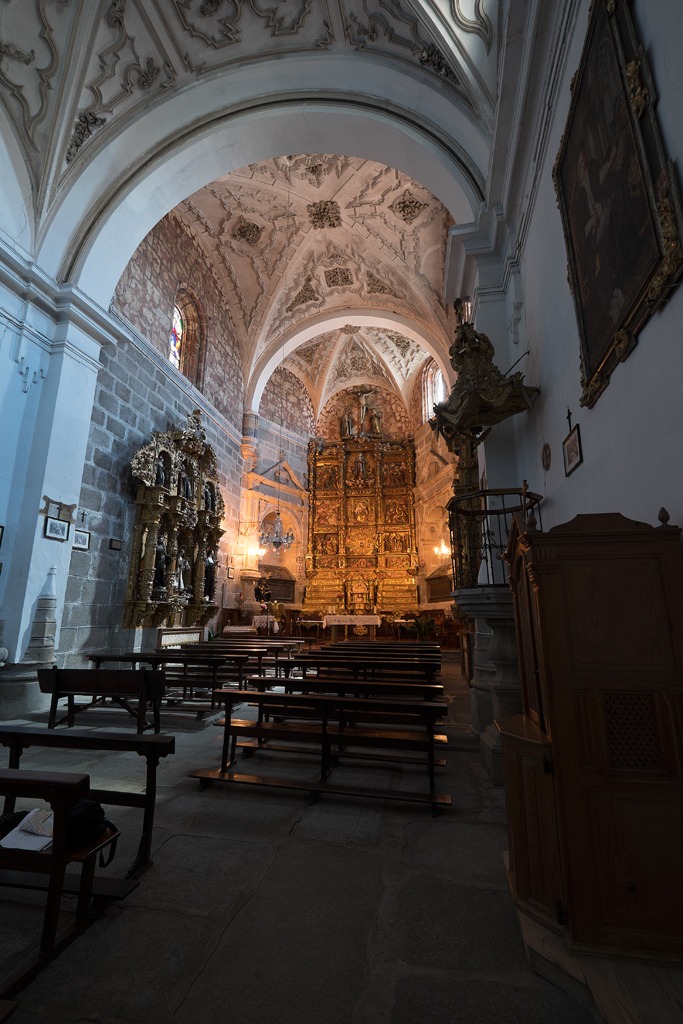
262, 906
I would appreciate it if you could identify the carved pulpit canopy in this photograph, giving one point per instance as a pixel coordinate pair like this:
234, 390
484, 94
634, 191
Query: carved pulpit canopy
482, 396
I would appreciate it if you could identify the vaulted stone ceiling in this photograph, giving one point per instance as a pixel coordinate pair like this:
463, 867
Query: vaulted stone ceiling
303, 238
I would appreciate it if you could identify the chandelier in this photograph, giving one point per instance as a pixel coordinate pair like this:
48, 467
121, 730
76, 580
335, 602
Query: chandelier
276, 538
442, 550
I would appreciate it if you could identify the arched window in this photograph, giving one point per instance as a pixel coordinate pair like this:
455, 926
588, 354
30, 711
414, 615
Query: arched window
187, 338
175, 340
433, 389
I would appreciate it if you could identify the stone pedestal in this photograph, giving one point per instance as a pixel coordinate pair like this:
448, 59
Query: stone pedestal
496, 689
20, 694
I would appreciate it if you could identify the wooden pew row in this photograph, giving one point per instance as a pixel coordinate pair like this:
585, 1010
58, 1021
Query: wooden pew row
121, 686
346, 686
364, 665
46, 869
19, 738
335, 727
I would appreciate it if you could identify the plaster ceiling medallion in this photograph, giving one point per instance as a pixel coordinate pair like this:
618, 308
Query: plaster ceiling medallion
408, 207
325, 214
338, 277
247, 231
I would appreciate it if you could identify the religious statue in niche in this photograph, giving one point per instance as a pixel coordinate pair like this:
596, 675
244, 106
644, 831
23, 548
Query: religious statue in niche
161, 563
348, 424
396, 512
209, 497
360, 511
376, 422
327, 477
209, 575
183, 572
160, 475
185, 489
394, 474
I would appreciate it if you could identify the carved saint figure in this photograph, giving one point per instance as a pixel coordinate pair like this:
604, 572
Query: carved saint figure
209, 498
359, 471
348, 426
183, 571
375, 422
161, 561
160, 478
209, 575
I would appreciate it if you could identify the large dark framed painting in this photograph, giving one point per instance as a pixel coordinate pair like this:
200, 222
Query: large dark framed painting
618, 197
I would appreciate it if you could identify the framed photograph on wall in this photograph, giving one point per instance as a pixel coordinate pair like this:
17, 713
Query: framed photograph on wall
56, 529
571, 450
81, 540
618, 197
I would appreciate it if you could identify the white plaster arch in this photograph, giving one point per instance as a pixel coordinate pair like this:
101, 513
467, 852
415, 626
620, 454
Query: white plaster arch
118, 193
299, 334
17, 216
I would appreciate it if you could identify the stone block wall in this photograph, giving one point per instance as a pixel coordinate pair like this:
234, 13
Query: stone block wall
136, 395
285, 401
166, 260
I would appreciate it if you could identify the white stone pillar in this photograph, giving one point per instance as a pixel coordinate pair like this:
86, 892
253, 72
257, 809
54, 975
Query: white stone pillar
43, 455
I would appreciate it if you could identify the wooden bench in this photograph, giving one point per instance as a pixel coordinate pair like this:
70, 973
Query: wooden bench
19, 737
365, 666
19, 868
345, 686
118, 685
334, 727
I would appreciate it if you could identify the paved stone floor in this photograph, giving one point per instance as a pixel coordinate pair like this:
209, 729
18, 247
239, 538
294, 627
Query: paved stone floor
264, 907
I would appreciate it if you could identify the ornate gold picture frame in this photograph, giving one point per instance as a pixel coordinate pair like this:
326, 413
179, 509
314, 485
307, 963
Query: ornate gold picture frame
618, 197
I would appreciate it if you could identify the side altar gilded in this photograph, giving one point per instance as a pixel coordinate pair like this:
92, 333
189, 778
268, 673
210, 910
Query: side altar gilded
179, 509
361, 556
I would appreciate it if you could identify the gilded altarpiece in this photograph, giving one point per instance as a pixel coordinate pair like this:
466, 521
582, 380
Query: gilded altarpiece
179, 509
362, 555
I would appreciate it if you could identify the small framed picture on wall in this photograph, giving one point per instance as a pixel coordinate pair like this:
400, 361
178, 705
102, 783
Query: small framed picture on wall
56, 529
81, 540
571, 449
231, 572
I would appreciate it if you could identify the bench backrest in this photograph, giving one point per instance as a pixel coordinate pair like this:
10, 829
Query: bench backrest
334, 705
102, 682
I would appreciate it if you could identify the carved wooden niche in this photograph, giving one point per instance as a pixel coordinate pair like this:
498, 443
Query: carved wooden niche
179, 509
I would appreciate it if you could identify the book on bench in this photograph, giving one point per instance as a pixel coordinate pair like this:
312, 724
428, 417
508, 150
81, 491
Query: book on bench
34, 832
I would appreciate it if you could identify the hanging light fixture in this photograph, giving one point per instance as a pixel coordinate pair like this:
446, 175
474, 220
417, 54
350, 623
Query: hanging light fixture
276, 538
442, 551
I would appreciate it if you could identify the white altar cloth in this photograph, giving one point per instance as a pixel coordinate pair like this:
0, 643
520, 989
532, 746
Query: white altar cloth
268, 622
351, 620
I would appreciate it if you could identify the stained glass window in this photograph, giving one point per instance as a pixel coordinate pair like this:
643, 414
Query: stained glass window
175, 341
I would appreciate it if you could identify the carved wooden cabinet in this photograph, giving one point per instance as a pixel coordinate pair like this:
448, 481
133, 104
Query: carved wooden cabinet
594, 765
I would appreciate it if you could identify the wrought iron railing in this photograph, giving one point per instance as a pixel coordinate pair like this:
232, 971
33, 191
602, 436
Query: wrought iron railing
479, 523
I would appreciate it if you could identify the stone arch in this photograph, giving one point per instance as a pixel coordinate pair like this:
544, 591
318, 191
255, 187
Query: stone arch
176, 148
